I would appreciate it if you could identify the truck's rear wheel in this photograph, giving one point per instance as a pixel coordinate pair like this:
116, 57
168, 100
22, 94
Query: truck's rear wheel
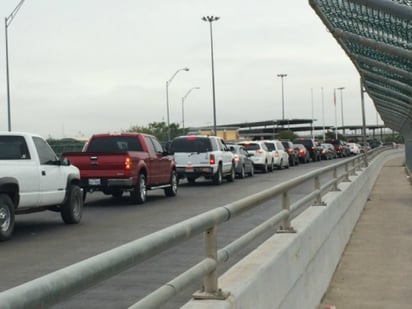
172, 190
72, 209
232, 175
218, 177
138, 194
6, 217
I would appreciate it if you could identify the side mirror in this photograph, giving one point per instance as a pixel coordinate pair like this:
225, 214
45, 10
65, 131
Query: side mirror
65, 162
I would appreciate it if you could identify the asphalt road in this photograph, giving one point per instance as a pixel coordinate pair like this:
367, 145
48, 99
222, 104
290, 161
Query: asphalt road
42, 243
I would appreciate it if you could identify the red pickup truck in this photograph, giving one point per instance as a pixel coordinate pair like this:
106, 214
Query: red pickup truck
125, 162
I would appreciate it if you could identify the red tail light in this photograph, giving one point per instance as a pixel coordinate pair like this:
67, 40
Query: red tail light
127, 164
290, 150
212, 159
259, 151
236, 158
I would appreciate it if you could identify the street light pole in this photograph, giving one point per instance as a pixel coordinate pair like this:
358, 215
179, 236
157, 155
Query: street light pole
341, 105
283, 98
167, 99
7, 22
211, 19
183, 106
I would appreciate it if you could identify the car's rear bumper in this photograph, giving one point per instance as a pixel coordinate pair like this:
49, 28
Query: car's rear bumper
195, 171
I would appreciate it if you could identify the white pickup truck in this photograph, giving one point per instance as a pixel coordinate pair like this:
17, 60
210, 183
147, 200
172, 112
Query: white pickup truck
33, 178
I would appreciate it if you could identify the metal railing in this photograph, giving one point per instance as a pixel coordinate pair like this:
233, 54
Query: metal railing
61, 284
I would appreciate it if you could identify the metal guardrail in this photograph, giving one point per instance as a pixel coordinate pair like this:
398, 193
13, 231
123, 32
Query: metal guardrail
61, 284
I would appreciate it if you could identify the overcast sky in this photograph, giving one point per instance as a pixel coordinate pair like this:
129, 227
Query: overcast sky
79, 67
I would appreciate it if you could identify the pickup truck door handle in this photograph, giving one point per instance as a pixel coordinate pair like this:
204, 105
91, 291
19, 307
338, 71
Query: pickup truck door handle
43, 173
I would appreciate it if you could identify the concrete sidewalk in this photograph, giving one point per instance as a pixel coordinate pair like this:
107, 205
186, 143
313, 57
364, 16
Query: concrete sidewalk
375, 270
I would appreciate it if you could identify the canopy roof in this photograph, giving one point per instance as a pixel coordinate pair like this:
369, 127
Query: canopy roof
377, 37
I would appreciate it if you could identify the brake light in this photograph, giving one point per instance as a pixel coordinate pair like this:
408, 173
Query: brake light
276, 154
290, 150
212, 159
259, 151
127, 164
236, 158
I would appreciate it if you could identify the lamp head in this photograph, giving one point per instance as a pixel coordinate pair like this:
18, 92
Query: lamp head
210, 18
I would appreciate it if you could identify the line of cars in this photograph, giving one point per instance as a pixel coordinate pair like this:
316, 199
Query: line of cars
214, 159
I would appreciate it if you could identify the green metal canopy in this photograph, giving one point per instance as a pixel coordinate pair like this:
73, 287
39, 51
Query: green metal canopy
377, 36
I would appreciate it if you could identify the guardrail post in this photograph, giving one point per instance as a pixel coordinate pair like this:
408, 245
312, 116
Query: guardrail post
365, 159
335, 183
354, 168
210, 288
286, 227
346, 173
318, 201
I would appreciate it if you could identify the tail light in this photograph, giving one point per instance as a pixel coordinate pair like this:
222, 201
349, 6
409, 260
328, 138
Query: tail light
290, 150
259, 151
127, 164
276, 154
236, 158
212, 159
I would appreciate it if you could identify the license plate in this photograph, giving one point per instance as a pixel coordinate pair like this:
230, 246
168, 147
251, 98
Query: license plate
94, 181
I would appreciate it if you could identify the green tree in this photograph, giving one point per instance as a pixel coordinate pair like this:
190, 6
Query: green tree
159, 129
287, 134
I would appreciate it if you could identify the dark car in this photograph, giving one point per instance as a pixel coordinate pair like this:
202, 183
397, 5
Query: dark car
327, 151
303, 153
310, 145
243, 163
293, 154
341, 149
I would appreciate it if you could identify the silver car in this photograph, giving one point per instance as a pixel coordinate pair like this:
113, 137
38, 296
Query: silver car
243, 162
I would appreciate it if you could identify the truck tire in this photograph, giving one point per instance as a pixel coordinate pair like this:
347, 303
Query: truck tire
72, 209
231, 177
6, 217
172, 190
218, 177
139, 193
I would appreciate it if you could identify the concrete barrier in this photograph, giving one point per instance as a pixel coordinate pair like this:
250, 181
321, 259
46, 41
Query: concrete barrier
294, 270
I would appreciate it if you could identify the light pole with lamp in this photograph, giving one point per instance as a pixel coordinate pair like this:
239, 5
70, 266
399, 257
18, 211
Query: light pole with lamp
183, 106
7, 22
167, 99
341, 106
283, 98
211, 19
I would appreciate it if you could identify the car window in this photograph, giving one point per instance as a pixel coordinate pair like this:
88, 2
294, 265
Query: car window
13, 148
251, 146
270, 146
156, 144
46, 154
106, 144
191, 144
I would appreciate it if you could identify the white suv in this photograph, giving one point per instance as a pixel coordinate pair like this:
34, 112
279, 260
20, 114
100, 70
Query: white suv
201, 155
280, 155
261, 156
